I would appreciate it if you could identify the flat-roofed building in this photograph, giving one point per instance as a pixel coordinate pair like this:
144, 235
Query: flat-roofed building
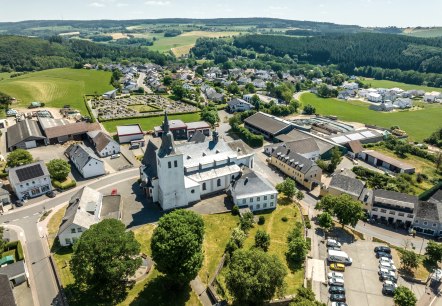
128, 133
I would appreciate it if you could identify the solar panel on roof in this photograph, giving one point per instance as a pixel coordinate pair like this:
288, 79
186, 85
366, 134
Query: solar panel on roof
28, 173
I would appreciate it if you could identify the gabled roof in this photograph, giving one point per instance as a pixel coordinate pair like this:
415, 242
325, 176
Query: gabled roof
101, 140
71, 129
83, 210
293, 159
150, 157
251, 183
347, 184
355, 146
429, 211
268, 123
22, 131
380, 194
6, 293
198, 137
436, 197
13, 270
81, 154
303, 146
27, 172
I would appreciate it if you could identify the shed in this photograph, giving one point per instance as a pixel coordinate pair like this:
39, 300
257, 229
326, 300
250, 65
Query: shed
128, 133
24, 134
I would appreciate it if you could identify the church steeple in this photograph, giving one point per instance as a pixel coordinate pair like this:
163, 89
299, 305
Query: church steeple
167, 142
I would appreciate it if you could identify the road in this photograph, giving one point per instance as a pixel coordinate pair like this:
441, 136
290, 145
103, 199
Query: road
35, 243
140, 83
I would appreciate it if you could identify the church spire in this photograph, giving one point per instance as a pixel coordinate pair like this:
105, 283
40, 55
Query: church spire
167, 142
165, 126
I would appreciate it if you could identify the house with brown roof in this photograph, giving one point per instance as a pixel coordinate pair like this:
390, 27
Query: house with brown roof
104, 144
62, 130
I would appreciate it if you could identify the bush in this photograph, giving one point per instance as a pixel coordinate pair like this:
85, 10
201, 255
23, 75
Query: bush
261, 220
18, 249
63, 185
284, 219
235, 210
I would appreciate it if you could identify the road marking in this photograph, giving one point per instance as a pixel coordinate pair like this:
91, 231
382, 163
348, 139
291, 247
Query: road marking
15, 220
25, 217
36, 214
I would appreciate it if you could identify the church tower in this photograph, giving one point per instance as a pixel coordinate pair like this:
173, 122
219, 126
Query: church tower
170, 167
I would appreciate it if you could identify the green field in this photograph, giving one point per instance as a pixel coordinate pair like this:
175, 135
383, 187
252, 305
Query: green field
148, 123
57, 87
433, 32
404, 86
418, 124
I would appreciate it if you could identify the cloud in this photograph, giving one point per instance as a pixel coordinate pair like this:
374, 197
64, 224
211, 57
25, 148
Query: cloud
122, 4
97, 4
278, 8
157, 3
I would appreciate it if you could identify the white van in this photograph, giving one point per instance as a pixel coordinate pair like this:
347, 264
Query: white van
339, 257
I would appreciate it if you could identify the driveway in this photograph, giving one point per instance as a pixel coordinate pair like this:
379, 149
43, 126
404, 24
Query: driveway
212, 205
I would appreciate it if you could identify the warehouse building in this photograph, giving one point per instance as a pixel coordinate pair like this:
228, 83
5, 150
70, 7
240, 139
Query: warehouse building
25, 134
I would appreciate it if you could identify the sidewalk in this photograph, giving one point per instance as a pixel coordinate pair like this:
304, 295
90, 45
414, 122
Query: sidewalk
200, 290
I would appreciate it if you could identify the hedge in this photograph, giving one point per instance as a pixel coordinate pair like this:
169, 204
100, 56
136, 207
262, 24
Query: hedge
62, 186
148, 116
18, 249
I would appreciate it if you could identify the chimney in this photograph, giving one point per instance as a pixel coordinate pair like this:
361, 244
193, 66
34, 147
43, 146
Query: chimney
215, 136
246, 180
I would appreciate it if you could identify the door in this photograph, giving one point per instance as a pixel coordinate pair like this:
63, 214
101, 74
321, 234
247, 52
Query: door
30, 144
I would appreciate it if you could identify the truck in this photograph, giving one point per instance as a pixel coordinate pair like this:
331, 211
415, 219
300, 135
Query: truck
339, 257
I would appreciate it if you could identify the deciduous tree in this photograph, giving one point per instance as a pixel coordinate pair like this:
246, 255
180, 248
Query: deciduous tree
19, 157
409, 259
325, 221
287, 187
262, 240
434, 251
59, 169
404, 297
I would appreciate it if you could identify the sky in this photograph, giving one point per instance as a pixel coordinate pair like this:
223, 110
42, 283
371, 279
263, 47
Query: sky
400, 13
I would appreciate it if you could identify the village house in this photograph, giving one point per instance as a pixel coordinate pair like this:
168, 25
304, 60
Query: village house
85, 160
344, 184
238, 105
104, 144
29, 181
428, 219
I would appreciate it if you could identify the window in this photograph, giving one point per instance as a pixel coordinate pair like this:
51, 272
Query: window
416, 221
192, 191
27, 184
204, 186
72, 230
425, 223
392, 212
244, 201
251, 200
79, 230
218, 182
169, 165
175, 163
271, 204
383, 210
410, 216
258, 206
434, 224
258, 199
272, 196
400, 214
251, 207
68, 240
265, 198
265, 205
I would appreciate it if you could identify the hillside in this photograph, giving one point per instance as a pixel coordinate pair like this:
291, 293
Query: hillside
56, 87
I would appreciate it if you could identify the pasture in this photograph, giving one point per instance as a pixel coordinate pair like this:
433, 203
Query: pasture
57, 87
392, 84
418, 124
148, 123
422, 32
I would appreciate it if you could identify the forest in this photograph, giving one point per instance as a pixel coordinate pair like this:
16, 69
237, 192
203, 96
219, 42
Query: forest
28, 54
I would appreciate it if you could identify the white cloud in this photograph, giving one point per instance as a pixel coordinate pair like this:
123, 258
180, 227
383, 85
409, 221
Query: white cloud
97, 4
122, 4
157, 3
278, 8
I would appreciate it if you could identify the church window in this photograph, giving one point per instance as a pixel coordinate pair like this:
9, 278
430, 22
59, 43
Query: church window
169, 165
204, 186
175, 163
218, 182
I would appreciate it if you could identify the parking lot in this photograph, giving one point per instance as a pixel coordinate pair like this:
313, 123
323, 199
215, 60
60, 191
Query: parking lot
362, 284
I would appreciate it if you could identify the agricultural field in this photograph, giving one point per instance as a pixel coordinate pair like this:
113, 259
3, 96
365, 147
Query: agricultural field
418, 124
57, 87
392, 84
433, 32
148, 123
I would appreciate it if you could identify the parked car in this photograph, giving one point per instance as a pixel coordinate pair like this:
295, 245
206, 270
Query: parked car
19, 203
338, 304
337, 267
388, 290
386, 259
335, 275
113, 156
389, 283
336, 248
332, 243
382, 254
388, 266
388, 276
383, 249
336, 289
336, 282
50, 194
337, 297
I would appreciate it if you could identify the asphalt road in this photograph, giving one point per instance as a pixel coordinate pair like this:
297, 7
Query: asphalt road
27, 217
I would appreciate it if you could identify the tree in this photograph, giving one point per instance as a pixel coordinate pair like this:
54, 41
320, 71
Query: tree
409, 259
210, 114
246, 221
250, 88
404, 297
254, 276
336, 157
177, 246
325, 221
233, 88
19, 157
103, 259
299, 195
2, 242
327, 204
287, 187
347, 210
434, 251
167, 80
262, 240
178, 91
59, 169
256, 102
305, 297
309, 109
297, 250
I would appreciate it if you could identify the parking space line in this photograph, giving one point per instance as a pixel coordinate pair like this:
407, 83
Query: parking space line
25, 217
36, 214
15, 220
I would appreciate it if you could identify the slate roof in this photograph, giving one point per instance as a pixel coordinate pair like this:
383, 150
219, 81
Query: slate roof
296, 135
6, 293
429, 211
251, 183
436, 197
303, 146
13, 270
81, 154
101, 140
293, 159
149, 160
27, 172
22, 131
347, 184
198, 137
83, 209
268, 123
393, 195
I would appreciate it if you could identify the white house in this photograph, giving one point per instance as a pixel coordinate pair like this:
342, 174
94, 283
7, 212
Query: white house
431, 97
374, 97
253, 191
239, 105
86, 208
104, 144
350, 86
30, 180
85, 160
178, 175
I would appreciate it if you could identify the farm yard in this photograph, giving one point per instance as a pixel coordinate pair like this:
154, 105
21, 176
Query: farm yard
56, 87
138, 106
148, 123
418, 124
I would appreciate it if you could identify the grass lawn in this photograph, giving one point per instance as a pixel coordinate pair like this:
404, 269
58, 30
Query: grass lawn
418, 124
217, 233
57, 87
143, 235
148, 123
143, 108
392, 84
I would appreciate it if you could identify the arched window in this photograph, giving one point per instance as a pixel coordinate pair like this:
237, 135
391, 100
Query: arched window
218, 182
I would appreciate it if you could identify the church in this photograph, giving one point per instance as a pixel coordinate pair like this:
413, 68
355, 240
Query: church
179, 174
